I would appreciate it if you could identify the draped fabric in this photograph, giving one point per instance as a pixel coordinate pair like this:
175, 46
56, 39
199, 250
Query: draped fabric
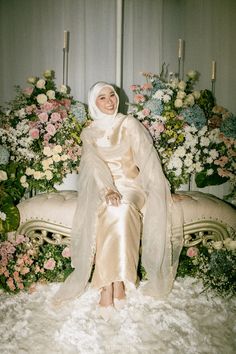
158, 256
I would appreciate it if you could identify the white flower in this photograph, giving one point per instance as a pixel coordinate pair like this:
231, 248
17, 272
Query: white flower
158, 94
174, 83
48, 175
217, 245
182, 85
198, 167
209, 160
56, 158
188, 161
21, 113
41, 98
47, 74
3, 175
204, 141
51, 94
230, 244
192, 74
3, 216
47, 151
63, 89
178, 103
189, 100
181, 94
202, 131
40, 84
209, 172
31, 80
213, 153
196, 94
166, 98
23, 179
57, 149
64, 157
180, 151
38, 175
29, 171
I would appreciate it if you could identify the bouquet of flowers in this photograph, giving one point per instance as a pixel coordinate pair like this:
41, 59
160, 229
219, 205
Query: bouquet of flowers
41, 131
214, 264
39, 143
24, 263
177, 117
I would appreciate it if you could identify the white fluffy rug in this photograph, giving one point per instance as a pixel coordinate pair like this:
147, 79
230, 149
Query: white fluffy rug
188, 322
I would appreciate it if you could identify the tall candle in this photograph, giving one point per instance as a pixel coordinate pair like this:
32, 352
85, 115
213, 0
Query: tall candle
66, 40
213, 70
180, 48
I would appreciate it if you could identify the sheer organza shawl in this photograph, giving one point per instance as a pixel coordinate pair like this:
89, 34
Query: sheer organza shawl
160, 251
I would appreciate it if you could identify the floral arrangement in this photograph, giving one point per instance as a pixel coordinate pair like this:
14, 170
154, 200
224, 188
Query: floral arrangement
178, 119
24, 263
214, 264
39, 140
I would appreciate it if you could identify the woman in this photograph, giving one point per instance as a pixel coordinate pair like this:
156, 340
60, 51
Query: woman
123, 194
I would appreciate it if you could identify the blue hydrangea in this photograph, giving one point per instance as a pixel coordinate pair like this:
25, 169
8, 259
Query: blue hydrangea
228, 127
155, 106
78, 110
157, 85
4, 155
194, 115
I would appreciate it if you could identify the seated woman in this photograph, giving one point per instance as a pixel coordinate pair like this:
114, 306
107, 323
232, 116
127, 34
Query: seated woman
123, 201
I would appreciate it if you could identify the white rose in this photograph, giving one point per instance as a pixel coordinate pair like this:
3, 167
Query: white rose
182, 85
21, 113
56, 158
64, 157
192, 74
40, 84
63, 89
29, 171
41, 98
47, 74
23, 179
31, 80
48, 175
47, 151
57, 149
45, 164
51, 94
3, 216
181, 94
178, 103
3, 175
174, 83
217, 245
38, 175
189, 100
196, 94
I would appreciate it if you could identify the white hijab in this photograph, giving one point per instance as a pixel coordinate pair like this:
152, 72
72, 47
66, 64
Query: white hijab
101, 120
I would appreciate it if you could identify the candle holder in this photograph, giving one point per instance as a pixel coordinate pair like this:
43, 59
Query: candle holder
179, 67
213, 81
65, 67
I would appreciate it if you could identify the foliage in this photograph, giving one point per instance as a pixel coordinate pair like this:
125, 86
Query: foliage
214, 264
179, 121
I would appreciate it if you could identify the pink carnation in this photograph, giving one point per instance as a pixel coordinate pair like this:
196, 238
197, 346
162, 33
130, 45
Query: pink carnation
192, 252
51, 129
34, 133
66, 252
50, 264
25, 270
10, 284
43, 117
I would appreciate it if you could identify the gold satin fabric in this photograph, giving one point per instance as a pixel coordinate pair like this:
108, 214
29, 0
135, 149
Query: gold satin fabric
118, 229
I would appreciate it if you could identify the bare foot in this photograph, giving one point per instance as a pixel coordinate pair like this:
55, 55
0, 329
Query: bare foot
119, 290
106, 296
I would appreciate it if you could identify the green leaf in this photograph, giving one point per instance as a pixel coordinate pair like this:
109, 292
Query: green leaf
12, 217
202, 180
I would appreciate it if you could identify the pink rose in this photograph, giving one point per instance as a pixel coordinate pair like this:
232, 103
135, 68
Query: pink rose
139, 98
25, 270
66, 252
47, 107
147, 86
34, 133
20, 286
6, 273
51, 129
43, 117
28, 91
66, 102
159, 127
20, 239
192, 252
146, 112
49, 264
55, 117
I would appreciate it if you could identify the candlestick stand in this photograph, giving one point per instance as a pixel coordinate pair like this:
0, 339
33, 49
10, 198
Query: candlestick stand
65, 66
179, 67
213, 86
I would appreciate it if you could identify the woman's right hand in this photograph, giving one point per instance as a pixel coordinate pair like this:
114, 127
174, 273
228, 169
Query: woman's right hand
113, 198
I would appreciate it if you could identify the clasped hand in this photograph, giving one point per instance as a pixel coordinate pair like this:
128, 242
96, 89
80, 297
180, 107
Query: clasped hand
113, 198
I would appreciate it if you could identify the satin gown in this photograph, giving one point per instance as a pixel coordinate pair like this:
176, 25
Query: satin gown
118, 228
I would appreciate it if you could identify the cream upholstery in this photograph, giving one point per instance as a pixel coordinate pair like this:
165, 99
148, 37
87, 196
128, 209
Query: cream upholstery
48, 217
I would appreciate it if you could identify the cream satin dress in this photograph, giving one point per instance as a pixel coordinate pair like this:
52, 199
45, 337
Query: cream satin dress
118, 227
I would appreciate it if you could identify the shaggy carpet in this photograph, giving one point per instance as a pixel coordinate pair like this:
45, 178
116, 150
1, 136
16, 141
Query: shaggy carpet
188, 322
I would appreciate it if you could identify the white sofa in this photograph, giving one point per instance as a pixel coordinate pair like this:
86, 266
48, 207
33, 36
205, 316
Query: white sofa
48, 217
